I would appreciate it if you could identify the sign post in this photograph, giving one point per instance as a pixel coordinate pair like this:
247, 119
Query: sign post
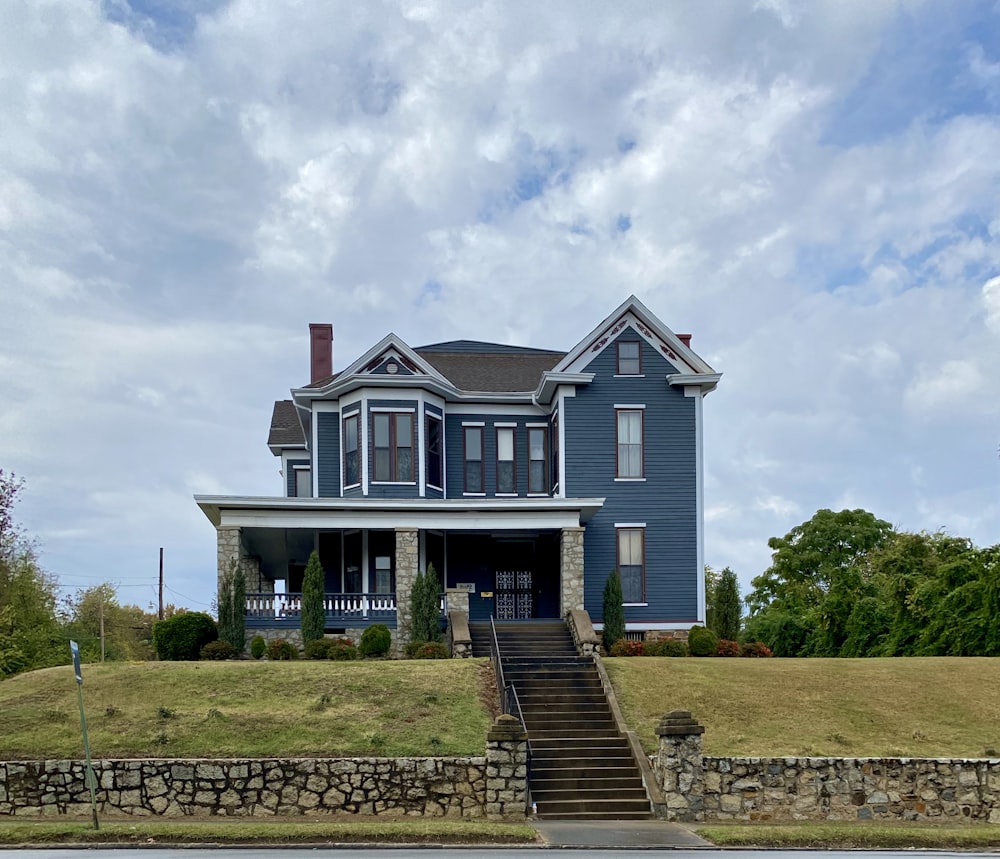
91, 780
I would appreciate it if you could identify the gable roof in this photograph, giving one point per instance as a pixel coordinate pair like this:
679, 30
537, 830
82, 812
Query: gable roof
286, 428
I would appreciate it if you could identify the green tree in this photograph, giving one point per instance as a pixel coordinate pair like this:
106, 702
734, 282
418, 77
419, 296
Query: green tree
711, 583
425, 611
127, 629
313, 611
726, 600
613, 613
818, 572
232, 606
30, 633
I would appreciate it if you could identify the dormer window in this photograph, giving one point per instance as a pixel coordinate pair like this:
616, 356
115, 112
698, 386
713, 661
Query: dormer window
629, 358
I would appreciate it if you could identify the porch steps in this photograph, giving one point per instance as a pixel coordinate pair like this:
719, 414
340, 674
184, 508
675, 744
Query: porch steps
581, 766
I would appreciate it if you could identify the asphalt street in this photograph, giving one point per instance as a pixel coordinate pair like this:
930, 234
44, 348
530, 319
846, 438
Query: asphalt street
348, 852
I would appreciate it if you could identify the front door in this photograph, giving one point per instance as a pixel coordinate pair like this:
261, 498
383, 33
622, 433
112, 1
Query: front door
515, 599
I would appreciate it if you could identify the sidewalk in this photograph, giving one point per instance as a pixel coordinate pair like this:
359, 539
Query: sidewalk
615, 833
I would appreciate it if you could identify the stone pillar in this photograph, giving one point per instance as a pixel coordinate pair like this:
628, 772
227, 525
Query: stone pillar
230, 545
458, 635
506, 768
407, 567
679, 767
571, 569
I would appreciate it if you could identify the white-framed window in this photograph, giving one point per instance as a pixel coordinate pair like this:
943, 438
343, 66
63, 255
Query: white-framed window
632, 564
303, 481
537, 460
506, 465
434, 458
472, 442
630, 433
629, 358
392, 443
352, 456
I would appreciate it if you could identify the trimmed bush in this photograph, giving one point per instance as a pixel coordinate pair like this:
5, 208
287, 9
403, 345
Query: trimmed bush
258, 646
702, 641
279, 650
624, 647
218, 650
755, 649
316, 649
180, 638
613, 613
313, 617
412, 647
673, 647
341, 650
727, 648
376, 640
431, 650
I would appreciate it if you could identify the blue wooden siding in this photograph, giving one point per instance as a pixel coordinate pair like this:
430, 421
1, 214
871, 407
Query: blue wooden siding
665, 501
328, 453
401, 370
290, 476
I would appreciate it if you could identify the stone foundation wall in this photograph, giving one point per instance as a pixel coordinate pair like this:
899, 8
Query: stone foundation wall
293, 634
430, 787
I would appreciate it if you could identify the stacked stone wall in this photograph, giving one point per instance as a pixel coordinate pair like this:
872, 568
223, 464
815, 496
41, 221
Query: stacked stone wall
571, 569
430, 787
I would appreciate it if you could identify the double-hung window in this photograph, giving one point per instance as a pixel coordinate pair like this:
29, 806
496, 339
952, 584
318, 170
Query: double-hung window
630, 438
352, 463
537, 461
473, 443
432, 429
506, 468
629, 358
392, 434
632, 564
303, 481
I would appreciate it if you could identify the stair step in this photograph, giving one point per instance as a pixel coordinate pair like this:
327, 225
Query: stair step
587, 771
595, 805
625, 787
598, 815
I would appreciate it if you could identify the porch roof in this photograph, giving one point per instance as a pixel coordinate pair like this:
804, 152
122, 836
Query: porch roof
453, 514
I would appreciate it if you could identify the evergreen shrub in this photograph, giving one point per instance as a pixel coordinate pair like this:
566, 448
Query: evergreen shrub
218, 650
181, 637
375, 640
431, 650
258, 646
702, 641
281, 650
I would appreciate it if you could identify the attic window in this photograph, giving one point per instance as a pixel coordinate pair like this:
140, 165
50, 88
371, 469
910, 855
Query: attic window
392, 368
629, 359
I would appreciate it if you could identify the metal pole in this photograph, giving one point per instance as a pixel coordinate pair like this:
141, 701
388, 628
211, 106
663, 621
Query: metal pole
91, 780
102, 624
159, 613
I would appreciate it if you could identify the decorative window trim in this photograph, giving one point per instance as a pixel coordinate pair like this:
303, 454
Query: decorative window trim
352, 416
619, 476
394, 447
480, 428
544, 490
512, 429
618, 559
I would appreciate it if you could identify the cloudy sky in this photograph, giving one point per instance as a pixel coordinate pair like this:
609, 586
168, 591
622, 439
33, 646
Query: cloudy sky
812, 189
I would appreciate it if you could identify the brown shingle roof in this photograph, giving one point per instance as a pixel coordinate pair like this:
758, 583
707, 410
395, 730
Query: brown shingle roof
497, 372
286, 430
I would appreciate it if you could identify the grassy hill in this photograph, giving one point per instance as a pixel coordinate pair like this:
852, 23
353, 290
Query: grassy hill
256, 709
906, 707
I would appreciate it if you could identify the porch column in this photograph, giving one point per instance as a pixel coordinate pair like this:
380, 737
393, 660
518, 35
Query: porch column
230, 545
407, 567
571, 570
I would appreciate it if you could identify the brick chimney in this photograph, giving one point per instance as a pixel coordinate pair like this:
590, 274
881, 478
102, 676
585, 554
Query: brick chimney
685, 339
320, 351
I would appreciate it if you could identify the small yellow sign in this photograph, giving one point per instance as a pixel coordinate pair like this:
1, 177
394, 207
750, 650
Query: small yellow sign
485, 594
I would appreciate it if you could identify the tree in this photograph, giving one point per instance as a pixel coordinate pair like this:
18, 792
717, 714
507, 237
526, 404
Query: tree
232, 606
726, 619
313, 611
818, 572
425, 610
127, 629
612, 611
30, 635
711, 582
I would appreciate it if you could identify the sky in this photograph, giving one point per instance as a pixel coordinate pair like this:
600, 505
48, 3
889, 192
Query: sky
812, 189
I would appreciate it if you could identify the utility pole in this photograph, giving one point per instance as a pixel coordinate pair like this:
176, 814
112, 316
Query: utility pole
159, 614
102, 623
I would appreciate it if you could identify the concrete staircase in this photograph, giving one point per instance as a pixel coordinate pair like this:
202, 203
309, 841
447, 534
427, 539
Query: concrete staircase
581, 765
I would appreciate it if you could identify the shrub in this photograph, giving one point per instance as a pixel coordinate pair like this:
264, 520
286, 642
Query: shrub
613, 614
258, 646
727, 648
624, 647
412, 647
279, 649
218, 650
702, 641
316, 649
673, 647
431, 650
376, 640
755, 649
232, 606
341, 650
181, 637
425, 607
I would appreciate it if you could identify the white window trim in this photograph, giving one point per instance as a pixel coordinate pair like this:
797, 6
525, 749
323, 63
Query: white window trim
504, 425
392, 409
474, 494
394, 483
506, 495
629, 376
630, 480
635, 604
473, 423
629, 406
630, 524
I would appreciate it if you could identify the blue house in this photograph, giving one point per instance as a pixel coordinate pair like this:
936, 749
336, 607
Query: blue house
523, 475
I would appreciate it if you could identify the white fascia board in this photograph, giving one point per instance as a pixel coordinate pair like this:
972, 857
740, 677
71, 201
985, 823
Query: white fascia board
706, 381
392, 342
551, 380
344, 385
279, 449
524, 409
448, 514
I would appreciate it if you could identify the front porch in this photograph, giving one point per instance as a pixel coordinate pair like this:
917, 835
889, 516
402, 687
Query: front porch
267, 610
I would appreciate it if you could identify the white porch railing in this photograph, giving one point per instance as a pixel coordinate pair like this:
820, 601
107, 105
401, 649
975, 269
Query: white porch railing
346, 607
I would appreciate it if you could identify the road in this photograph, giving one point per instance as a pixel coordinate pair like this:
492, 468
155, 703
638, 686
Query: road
467, 853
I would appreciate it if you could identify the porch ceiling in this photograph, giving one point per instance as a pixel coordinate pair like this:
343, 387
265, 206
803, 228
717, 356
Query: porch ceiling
458, 514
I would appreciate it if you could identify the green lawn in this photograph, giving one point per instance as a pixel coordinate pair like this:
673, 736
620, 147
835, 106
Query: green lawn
904, 707
858, 835
248, 709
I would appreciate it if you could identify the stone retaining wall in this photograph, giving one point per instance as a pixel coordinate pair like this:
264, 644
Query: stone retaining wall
432, 787
793, 788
